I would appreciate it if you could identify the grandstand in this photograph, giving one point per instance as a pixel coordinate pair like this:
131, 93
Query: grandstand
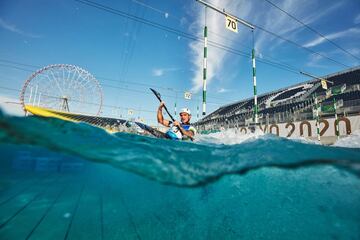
291, 104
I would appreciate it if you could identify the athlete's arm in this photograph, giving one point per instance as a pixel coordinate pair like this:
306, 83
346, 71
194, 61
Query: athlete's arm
188, 133
160, 117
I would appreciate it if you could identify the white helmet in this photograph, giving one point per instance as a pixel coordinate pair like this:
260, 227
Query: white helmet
185, 110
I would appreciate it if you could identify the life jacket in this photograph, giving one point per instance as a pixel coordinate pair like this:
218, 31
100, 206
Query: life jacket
175, 134
188, 127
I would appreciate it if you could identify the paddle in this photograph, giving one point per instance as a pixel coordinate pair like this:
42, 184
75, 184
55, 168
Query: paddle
158, 96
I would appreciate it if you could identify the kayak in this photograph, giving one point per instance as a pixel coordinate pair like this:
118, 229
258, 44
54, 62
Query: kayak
112, 125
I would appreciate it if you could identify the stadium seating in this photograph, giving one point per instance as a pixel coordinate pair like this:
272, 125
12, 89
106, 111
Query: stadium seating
298, 99
348, 96
348, 78
288, 93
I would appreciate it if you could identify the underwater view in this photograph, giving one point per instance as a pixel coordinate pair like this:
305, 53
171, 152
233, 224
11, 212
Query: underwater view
179, 119
64, 180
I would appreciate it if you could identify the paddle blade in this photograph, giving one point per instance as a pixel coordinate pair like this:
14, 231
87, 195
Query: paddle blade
157, 94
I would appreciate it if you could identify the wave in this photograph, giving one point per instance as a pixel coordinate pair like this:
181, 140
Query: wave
173, 162
351, 141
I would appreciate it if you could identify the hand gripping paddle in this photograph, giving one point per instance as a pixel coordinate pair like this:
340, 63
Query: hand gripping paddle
158, 96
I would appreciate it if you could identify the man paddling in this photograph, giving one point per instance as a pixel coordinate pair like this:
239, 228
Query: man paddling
179, 131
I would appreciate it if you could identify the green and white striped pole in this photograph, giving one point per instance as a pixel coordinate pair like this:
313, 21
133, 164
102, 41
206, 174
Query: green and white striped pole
175, 108
175, 102
336, 121
317, 118
197, 112
204, 68
223, 12
254, 82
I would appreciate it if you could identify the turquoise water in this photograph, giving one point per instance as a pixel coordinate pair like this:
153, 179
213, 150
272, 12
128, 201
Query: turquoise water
61, 180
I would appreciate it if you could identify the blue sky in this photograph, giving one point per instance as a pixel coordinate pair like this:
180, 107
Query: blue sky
127, 57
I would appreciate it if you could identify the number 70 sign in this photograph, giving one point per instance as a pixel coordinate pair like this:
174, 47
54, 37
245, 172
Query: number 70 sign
231, 24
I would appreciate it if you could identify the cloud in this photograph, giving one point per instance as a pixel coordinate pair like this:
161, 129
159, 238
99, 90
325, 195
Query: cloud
216, 57
325, 10
11, 28
158, 72
14, 29
346, 33
261, 14
270, 18
357, 19
354, 51
223, 90
11, 106
183, 21
314, 61
278, 22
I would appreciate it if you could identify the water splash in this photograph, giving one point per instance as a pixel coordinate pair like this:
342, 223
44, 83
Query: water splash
351, 141
229, 137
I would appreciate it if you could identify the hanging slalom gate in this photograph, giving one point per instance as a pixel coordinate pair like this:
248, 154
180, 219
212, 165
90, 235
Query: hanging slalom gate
232, 26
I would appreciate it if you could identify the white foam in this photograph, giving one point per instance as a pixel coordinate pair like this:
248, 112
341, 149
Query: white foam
351, 141
232, 136
11, 107
305, 140
228, 137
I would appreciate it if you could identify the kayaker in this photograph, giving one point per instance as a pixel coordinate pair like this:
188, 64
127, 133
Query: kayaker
178, 130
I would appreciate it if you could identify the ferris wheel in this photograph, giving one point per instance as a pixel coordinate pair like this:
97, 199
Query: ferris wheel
63, 87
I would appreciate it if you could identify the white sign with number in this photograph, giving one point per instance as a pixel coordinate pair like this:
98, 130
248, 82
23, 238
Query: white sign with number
187, 95
324, 84
231, 24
